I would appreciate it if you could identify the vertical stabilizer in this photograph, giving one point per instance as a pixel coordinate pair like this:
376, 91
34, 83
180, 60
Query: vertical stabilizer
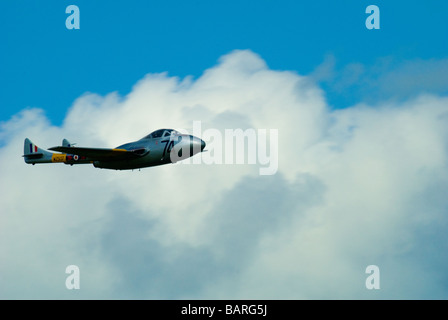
66, 143
33, 154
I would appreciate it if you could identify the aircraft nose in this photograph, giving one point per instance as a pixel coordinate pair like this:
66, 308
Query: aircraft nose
195, 144
202, 145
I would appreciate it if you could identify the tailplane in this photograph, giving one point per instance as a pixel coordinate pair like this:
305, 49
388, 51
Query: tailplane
33, 154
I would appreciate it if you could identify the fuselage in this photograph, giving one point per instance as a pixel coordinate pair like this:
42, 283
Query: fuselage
156, 151
162, 146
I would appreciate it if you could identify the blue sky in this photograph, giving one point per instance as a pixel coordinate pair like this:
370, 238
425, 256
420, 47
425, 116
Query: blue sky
45, 65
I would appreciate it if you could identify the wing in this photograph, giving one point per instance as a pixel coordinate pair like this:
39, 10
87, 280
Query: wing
99, 154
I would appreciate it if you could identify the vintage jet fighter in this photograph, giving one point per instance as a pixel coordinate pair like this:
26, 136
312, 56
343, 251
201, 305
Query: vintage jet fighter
160, 147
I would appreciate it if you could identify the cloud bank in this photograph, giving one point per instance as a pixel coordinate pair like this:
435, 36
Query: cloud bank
355, 187
387, 79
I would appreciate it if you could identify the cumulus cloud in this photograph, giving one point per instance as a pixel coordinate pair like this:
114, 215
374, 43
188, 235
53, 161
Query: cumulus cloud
385, 79
354, 187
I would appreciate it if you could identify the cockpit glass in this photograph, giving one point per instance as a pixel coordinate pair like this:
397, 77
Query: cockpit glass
161, 132
158, 133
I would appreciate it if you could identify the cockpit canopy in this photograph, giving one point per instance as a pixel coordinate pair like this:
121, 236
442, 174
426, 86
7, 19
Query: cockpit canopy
161, 133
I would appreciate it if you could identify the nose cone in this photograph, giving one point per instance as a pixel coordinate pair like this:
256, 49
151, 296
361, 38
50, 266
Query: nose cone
196, 145
202, 145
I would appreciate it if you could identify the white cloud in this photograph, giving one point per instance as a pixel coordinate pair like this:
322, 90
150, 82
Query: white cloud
385, 79
355, 187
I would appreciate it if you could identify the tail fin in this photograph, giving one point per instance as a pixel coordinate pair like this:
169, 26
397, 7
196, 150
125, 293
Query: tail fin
33, 154
66, 143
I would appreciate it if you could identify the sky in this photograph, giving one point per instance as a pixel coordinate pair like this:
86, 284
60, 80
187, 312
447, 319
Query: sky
362, 128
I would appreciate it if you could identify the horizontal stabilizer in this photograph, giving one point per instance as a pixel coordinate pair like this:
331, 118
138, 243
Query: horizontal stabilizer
33, 156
